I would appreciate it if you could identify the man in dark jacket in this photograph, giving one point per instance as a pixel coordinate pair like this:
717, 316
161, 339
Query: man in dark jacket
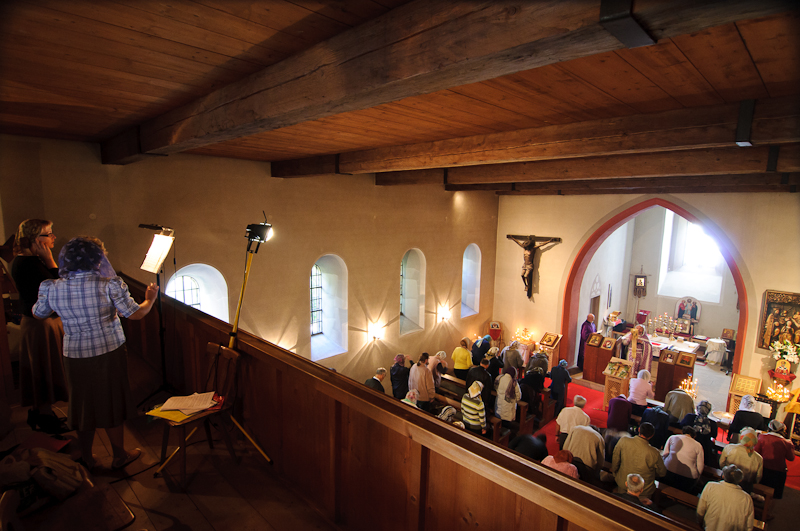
480, 348
376, 382
559, 378
481, 374
399, 375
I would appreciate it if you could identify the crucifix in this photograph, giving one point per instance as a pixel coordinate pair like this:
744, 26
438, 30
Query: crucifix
530, 244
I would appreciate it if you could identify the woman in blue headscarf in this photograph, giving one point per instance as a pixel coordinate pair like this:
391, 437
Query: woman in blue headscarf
480, 348
88, 297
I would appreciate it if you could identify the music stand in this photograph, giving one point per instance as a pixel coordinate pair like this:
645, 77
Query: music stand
159, 249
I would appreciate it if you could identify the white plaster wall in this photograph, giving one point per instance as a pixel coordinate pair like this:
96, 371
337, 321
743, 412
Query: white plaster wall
609, 262
760, 230
209, 202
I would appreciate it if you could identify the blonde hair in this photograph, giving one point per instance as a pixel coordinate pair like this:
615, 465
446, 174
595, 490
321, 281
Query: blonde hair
29, 229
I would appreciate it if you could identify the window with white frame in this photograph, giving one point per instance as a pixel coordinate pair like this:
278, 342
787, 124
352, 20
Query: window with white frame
186, 290
203, 287
316, 300
328, 293
412, 292
471, 281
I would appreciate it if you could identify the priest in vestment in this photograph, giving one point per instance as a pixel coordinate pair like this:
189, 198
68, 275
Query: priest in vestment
642, 355
587, 328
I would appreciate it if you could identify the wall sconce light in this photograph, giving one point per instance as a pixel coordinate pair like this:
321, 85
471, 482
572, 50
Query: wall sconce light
375, 331
444, 313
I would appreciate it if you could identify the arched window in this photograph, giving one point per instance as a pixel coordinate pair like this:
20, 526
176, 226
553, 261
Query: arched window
185, 289
412, 292
690, 261
202, 287
328, 285
471, 281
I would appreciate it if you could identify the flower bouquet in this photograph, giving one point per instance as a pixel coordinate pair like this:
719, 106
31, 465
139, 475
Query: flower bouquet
785, 353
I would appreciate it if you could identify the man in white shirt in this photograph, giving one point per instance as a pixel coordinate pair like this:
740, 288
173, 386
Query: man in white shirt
588, 446
571, 417
724, 506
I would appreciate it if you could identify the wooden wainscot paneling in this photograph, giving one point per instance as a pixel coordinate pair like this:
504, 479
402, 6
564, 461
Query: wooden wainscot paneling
379, 476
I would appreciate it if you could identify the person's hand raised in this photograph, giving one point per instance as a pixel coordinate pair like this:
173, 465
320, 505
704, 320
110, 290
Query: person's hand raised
152, 292
43, 251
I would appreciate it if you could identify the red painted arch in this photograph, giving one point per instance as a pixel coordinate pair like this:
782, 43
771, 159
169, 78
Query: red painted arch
569, 317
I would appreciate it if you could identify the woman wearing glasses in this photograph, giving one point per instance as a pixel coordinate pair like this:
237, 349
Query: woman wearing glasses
41, 370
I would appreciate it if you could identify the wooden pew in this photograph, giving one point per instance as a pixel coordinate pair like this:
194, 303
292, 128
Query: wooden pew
762, 511
500, 435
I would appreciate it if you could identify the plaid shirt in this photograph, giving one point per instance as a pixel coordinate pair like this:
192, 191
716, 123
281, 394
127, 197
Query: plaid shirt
88, 305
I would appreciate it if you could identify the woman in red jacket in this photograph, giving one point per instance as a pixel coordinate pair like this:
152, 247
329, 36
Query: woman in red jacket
775, 450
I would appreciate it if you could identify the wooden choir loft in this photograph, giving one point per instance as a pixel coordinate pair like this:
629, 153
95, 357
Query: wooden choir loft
399, 105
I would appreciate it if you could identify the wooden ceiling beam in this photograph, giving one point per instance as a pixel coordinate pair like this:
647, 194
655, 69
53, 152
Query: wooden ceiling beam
309, 167
420, 48
627, 185
667, 164
774, 122
394, 178
750, 189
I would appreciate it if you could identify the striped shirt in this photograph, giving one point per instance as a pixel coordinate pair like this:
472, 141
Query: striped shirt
88, 306
473, 412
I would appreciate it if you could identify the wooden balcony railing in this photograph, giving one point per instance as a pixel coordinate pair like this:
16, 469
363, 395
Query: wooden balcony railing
368, 461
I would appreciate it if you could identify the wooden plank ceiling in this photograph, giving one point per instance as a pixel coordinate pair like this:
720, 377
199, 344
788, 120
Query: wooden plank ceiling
92, 70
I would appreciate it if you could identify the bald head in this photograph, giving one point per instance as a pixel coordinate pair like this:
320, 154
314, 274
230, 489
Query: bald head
590, 317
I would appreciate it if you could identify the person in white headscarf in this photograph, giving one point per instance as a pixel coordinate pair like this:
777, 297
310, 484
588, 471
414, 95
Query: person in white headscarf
433, 366
746, 417
641, 388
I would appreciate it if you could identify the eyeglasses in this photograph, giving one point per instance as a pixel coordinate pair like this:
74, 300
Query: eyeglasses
50, 235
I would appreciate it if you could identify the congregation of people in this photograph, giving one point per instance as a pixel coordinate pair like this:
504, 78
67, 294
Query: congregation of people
642, 448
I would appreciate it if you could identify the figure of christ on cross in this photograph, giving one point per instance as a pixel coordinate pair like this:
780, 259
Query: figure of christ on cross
530, 244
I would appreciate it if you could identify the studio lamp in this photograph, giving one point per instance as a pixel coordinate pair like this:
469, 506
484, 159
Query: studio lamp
257, 233
153, 260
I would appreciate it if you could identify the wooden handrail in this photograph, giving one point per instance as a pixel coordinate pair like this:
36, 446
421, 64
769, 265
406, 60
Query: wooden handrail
571, 500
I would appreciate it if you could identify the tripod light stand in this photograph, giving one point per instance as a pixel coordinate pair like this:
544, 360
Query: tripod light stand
256, 233
159, 249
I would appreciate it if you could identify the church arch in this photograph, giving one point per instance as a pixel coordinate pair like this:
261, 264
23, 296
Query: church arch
570, 309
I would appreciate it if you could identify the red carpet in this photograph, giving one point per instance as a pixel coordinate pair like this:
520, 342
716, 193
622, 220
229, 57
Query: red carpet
594, 408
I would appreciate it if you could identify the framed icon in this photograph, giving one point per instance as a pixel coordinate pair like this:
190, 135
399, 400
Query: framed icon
595, 339
685, 359
608, 343
549, 339
668, 357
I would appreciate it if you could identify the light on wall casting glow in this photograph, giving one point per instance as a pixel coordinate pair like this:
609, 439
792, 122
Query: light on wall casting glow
443, 313
374, 331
